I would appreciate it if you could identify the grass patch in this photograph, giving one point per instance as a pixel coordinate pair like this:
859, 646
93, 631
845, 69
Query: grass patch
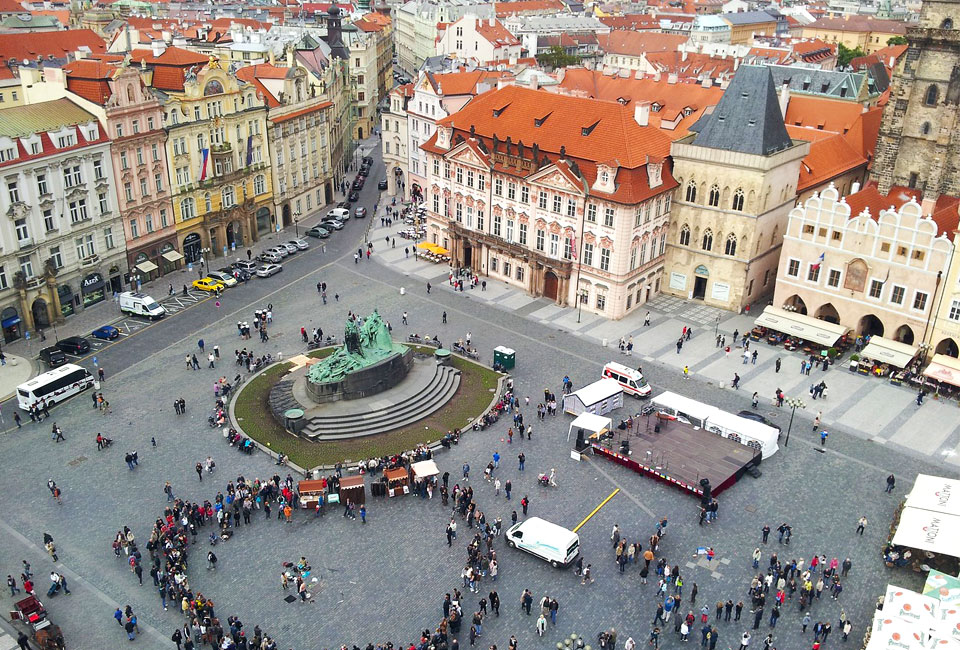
476, 390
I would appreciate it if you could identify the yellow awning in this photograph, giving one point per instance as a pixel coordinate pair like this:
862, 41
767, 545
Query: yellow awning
440, 250
147, 266
426, 245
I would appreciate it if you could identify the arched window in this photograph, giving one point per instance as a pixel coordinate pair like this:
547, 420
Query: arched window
207, 203
730, 248
259, 184
187, 209
947, 23
691, 192
714, 196
738, 200
685, 235
931, 96
227, 197
925, 129
707, 242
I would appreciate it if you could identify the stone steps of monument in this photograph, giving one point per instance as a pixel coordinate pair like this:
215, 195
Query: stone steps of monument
431, 397
281, 398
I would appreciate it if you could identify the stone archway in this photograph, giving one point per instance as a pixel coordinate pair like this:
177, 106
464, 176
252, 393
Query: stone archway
795, 303
41, 314
234, 234
904, 334
870, 325
828, 313
948, 347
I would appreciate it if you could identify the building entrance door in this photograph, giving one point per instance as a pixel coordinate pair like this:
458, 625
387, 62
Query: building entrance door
551, 285
699, 288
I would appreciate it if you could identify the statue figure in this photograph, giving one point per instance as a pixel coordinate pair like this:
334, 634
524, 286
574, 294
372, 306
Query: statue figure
351, 338
363, 345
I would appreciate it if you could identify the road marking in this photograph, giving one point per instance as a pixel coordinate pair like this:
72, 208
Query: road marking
614, 482
596, 510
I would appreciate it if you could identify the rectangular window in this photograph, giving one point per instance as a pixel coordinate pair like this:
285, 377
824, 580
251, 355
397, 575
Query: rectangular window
813, 273
104, 200
140, 156
604, 259
954, 311
633, 258
13, 191
520, 273
920, 301
876, 288
601, 302
158, 182
588, 254
540, 240
134, 229
23, 235
459, 212
108, 238
446, 170
509, 235
71, 176
557, 203
481, 182
78, 210
512, 191
542, 200
608, 217
128, 192
436, 167
833, 278
124, 163
497, 222
460, 175
163, 218
567, 248
592, 213
493, 264
155, 152
639, 218
149, 222
26, 265
793, 268
469, 216
470, 177
41, 184
498, 187
523, 237
524, 194
144, 190
436, 203
554, 245
3, 278
571, 208
57, 257
479, 219
897, 294
49, 223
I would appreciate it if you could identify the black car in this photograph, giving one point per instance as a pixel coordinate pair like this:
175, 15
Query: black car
368, 160
53, 356
75, 345
756, 417
239, 274
344, 204
353, 196
382, 185
358, 184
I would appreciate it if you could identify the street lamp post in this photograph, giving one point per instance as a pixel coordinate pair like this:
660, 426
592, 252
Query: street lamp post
793, 403
296, 223
716, 329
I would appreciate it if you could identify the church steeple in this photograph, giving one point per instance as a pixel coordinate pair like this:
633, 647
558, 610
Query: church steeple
334, 34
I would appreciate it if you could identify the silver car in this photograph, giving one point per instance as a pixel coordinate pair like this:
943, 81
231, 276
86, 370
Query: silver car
267, 270
279, 250
301, 244
270, 257
291, 247
332, 223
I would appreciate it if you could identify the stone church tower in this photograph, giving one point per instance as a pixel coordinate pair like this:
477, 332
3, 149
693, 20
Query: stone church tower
919, 142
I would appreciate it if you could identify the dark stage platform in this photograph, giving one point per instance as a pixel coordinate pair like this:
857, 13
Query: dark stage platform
679, 454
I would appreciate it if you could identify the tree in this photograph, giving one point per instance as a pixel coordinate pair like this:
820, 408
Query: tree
556, 57
845, 54
897, 40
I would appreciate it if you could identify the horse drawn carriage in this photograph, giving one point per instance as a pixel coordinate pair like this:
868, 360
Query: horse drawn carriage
46, 635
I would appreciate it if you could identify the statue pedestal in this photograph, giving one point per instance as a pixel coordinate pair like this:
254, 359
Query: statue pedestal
364, 382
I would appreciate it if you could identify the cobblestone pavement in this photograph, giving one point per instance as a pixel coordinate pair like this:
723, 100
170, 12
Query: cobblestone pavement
385, 580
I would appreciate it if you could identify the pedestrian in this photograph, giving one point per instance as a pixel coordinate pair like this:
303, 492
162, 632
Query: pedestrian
745, 641
861, 524
816, 420
23, 640
211, 560
891, 483
920, 395
444, 317
823, 438
777, 365
541, 625
524, 503
16, 418
587, 577
766, 533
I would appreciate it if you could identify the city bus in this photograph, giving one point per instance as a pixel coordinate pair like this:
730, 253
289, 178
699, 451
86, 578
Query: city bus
54, 386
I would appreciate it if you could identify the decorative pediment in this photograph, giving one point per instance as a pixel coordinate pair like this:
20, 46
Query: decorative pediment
541, 224
606, 242
556, 178
446, 193
589, 238
470, 201
511, 212
78, 192
524, 217
18, 210
497, 211
555, 228
465, 154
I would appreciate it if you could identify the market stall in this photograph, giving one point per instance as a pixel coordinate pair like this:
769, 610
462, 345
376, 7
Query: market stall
927, 527
598, 398
593, 426
352, 490
883, 357
907, 620
424, 469
944, 370
398, 481
310, 491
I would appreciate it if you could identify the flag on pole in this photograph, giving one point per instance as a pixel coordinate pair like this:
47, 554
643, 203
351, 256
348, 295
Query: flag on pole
249, 150
205, 160
573, 245
819, 261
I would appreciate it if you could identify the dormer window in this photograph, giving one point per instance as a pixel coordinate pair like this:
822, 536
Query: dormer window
605, 177
66, 140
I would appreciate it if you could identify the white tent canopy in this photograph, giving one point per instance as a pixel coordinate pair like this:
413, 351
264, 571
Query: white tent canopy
600, 397
425, 468
804, 327
746, 432
895, 633
692, 410
936, 494
590, 424
886, 351
928, 531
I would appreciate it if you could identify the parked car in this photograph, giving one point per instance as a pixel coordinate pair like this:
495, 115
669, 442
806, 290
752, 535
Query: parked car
353, 196
107, 332
301, 244
332, 223
291, 248
363, 173
236, 273
340, 214
53, 356
382, 185
269, 257
279, 250
358, 183
756, 417
318, 232
245, 265
208, 284
344, 204
360, 212
267, 270
75, 345
367, 160
226, 278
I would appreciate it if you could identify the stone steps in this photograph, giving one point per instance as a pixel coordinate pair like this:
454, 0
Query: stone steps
443, 385
281, 399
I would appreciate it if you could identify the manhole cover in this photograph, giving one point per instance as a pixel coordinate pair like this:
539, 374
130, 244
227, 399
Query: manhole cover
76, 461
751, 508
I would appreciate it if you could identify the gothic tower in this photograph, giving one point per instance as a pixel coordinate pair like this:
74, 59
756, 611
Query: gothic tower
919, 145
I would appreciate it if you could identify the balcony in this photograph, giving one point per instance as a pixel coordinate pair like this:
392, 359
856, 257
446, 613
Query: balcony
226, 147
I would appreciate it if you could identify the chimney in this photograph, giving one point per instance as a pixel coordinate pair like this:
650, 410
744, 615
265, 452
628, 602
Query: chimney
656, 76
493, 21
641, 112
534, 82
683, 55
854, 187
672, 78
784, 98
158, 47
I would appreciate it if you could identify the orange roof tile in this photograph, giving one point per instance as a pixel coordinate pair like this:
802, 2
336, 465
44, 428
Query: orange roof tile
305, 111
495, 33
691, 66
521, 7
11, 7
871, 199
463, 83
830, 156
88, 78
828, 114
170, 56
637, 43
945, 214
32, 45
253, 74
63, 15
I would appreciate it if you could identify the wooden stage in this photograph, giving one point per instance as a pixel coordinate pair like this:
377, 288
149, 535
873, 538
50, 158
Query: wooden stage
679, 454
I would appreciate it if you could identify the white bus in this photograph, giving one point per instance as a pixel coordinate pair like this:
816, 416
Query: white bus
54, 386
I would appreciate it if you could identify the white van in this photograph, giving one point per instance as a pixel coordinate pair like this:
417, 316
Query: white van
340, 214
547, 541
630, 380
140, 304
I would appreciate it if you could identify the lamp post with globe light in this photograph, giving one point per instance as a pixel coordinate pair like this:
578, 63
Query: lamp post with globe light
793, 403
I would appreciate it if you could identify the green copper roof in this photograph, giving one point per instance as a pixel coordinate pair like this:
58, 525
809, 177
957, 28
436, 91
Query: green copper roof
21, 121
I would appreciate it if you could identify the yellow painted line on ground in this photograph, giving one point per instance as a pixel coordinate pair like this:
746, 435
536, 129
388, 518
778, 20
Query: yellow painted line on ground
596, 510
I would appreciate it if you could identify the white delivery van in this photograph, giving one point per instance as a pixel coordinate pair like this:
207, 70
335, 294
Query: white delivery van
547, 541
630, 380
340, 214
140, 304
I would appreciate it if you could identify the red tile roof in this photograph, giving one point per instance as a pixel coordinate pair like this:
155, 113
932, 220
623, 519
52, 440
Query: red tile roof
253, 74
305, 111
830, 156
945, 214
169, 68
32, 45
10, 7
827, 114
464, 83
88, 78
870, 199
638, 43
691, 66
495, 33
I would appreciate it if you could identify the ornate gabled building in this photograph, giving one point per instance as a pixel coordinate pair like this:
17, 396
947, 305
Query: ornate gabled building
566, 197
738, 180
919, 144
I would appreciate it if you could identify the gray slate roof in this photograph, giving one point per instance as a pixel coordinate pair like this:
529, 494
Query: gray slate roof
747, 119
748, 17
838, 84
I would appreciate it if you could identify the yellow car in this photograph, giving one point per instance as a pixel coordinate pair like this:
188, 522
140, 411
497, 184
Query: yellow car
208, 284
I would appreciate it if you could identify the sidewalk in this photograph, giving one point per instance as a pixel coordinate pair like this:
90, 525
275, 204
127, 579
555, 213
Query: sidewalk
870, 408
16, 371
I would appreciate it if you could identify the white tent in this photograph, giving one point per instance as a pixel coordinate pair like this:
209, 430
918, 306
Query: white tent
887, 351
600, 397
804, 327
928, 531
911, 606
425, 468
935, 493
696, 413
894, 633
747, 432
590, 423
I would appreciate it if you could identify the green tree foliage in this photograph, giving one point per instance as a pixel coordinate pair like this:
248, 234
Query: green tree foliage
556, 57
845, 54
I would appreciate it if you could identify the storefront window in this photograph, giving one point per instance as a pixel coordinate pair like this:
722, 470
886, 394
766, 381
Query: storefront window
66, 299
92, 289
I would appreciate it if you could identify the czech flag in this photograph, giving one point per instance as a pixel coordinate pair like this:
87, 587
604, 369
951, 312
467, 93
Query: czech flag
205, 153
